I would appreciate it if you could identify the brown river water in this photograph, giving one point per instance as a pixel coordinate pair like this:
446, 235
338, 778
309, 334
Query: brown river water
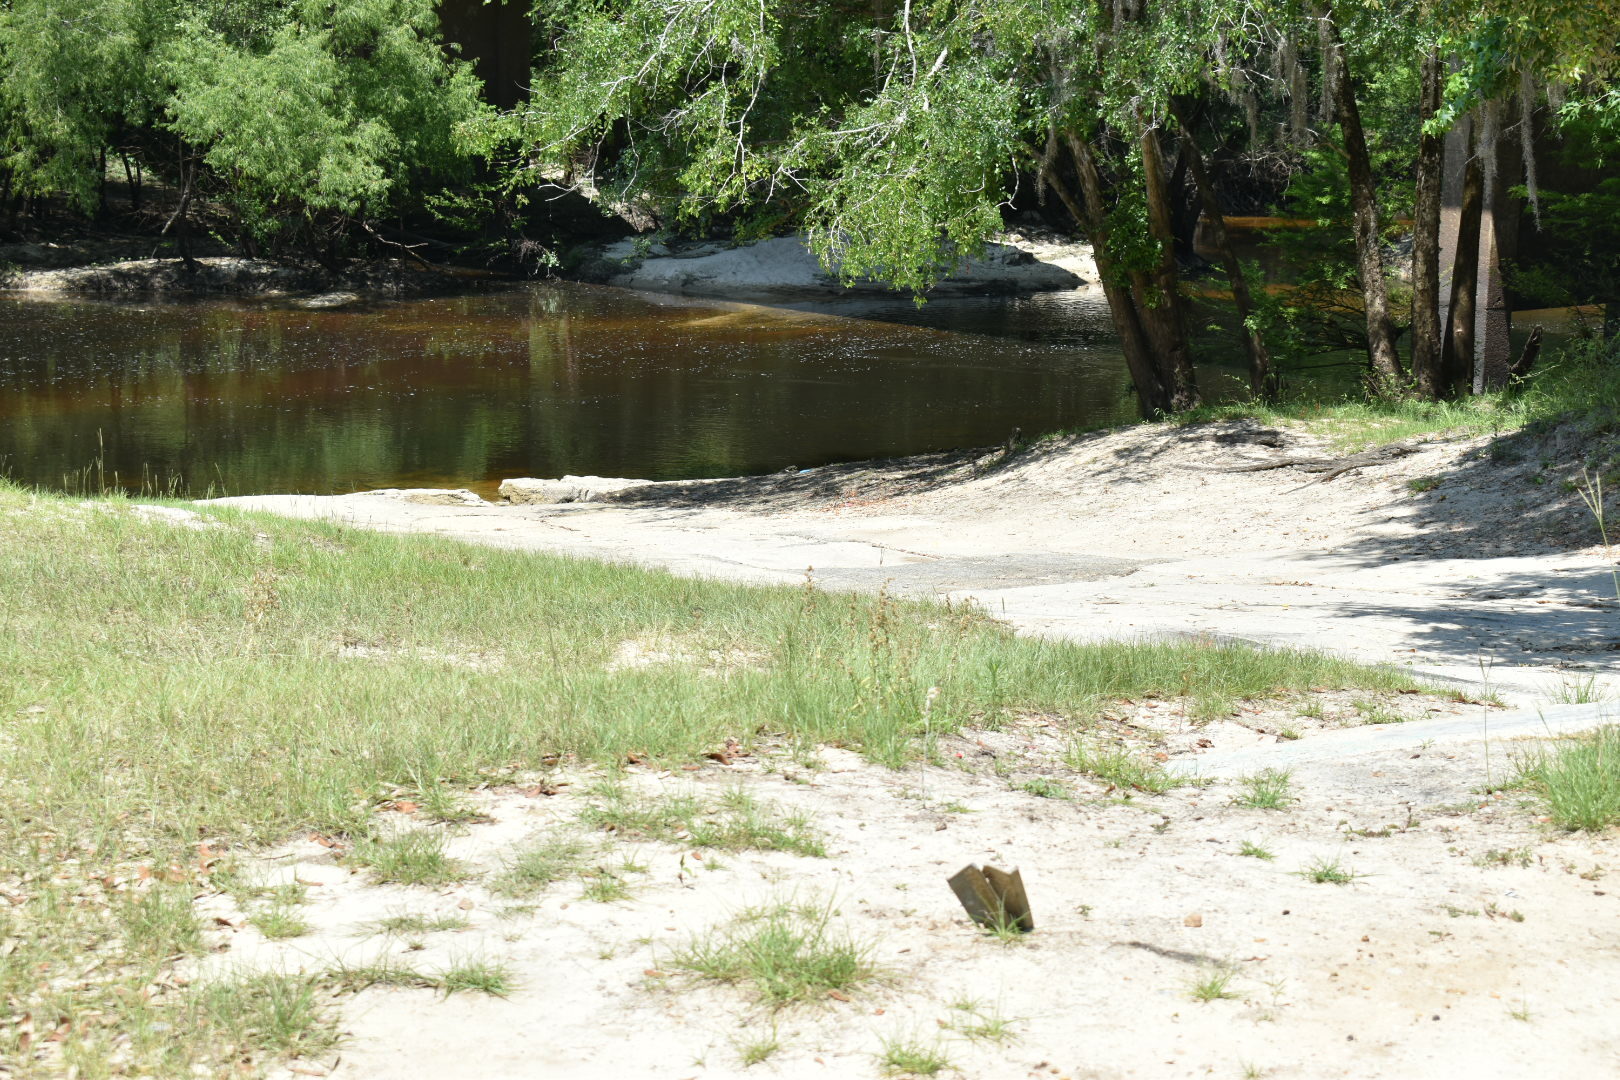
240, 397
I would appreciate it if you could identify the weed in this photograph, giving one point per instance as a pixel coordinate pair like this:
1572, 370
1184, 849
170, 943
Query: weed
1575, 690
443, 804
404, 924
1255, 851
411, 858
1119, 767
784, 953
1580, 780
353, 978
1522, 1013
1419, 484
1289, 733
1214, 985
481, 976
606, 885
279, 921
736, 821
1324, 871
159, 923
1457, 912
538, 866
1374, 713
1510, 857
1045, 787
752, 1053
912, 1057
281, 1013
982, 1024
1265, 790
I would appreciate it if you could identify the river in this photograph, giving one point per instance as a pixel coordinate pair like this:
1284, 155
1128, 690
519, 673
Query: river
251, 396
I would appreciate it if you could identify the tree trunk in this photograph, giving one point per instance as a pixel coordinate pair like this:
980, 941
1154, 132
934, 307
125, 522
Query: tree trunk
1426, 341
1165, 316
1386, 362
1262, 380
1459, 343
1151, 392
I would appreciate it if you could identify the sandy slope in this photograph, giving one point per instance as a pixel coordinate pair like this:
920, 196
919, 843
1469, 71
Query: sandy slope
1478, 943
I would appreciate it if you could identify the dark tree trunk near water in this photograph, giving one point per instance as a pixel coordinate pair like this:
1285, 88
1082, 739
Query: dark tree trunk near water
1152, 390
1164, 307
1381, 352
1262, 381
1427, 362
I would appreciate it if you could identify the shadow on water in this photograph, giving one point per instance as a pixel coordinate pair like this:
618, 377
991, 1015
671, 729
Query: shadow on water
527, 381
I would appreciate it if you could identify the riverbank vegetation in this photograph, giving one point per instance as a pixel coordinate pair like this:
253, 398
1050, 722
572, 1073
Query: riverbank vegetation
1421, 169
184, 686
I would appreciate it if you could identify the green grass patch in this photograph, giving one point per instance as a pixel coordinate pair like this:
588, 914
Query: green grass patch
538, 865
1268, 789
1579, 779
412, 858
912, 1057
1577, 384
784, 953
731, 820
1120, 767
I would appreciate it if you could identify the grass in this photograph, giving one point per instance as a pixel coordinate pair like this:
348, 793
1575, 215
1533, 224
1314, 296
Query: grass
280, 921
784, 953
538, 866
1325, 871
412, 858
1578, 690
277, 1014
1578, 385
758, 1050
981, 1024
477, 976
1045, 787
1268, 789
1214, 985
480, 976
1255, 851
1579, 779
409, 924
731, 821
1374, 713
172, 691
912, 1057
1119, 767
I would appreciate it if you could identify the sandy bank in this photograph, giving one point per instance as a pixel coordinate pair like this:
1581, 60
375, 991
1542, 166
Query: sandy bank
783, 267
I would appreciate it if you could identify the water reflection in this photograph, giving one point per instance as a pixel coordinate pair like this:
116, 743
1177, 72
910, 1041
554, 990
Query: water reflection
530, 380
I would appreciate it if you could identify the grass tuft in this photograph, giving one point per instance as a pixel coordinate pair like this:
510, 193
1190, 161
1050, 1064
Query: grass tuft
480, 976
412, 858
538, 866
1214, 985
1579, 779
784, 953
1255, 851
735, 821
1265, 790
912, 1057
1324, 871
1119, 767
